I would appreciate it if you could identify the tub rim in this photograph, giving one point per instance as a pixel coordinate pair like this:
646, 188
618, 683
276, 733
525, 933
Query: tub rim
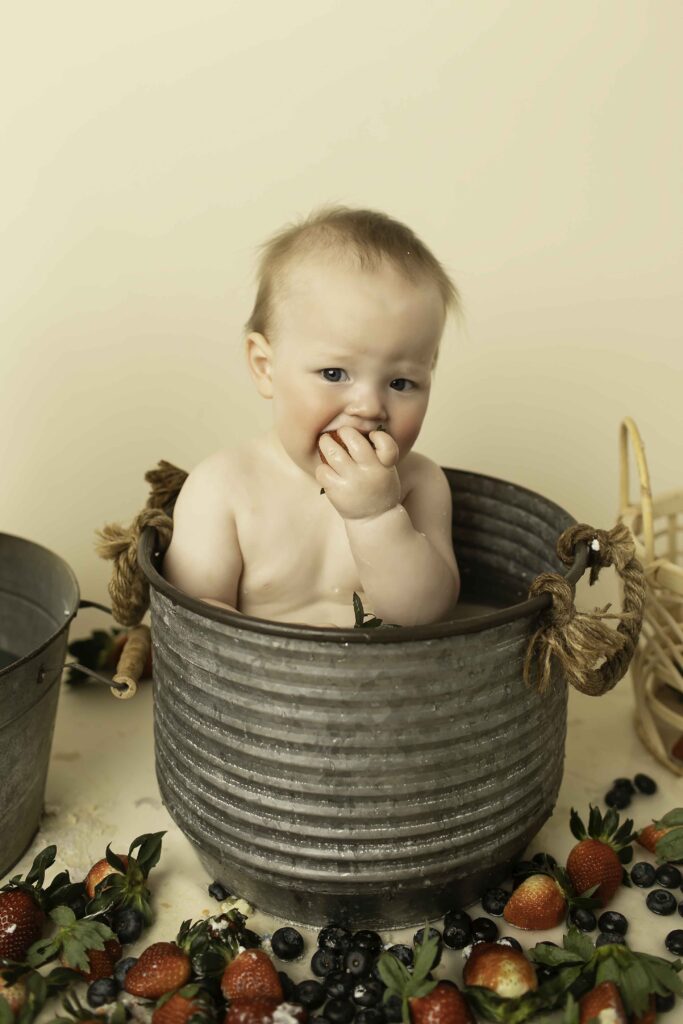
69, 614
149, 559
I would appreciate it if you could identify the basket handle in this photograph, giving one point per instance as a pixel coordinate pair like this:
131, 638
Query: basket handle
592, 656
630, 430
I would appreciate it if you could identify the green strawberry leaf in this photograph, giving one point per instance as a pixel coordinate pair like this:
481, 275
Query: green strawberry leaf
118, 1014
671, 818
670, 847
63, 916
576, 942
61, 978
426, 953
42, 951
393, 973
635, 987
114, 860
6, 1015
42, 862
358, 609
607, 970
576, 825
150, 851
75, 953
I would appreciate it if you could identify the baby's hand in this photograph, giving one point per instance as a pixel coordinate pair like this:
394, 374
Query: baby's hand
360, 478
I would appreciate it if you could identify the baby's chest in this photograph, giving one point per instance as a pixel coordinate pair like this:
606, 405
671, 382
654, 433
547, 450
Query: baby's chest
295, 552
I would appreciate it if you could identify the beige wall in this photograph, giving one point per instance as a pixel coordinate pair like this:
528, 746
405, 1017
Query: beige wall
147, 148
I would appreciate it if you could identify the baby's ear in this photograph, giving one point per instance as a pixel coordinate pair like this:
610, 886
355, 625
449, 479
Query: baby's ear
260, 361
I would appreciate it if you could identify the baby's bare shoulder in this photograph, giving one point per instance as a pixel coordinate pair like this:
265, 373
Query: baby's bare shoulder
419, 473
222, 476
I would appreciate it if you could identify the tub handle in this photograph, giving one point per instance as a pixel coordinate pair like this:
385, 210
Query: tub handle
578, 640
131, 663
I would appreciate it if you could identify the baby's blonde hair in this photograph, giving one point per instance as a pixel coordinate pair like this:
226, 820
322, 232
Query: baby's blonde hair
365, 236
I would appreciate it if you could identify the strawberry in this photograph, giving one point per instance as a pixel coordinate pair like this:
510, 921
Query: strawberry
101, 962
445, 1004
162, 967
14, 994
180, 1007
100, 870
538, 903
594, 860
251, 975
21, 922
504, 970
118, 881
650, 836
602, 1004
677, 749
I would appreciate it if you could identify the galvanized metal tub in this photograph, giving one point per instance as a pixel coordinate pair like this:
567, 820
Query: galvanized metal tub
38, 599
374, 777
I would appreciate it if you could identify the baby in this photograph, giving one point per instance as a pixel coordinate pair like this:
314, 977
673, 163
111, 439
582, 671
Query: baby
343, 338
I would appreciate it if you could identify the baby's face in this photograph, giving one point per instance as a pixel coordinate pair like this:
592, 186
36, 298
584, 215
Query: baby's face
352, 348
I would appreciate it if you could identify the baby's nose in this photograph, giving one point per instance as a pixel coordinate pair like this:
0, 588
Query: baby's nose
368, 403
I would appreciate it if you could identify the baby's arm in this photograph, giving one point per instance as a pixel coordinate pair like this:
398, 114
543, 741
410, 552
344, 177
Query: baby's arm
204, 558
405, 555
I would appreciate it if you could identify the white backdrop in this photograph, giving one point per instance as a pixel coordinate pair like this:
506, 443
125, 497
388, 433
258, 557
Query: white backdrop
148, 148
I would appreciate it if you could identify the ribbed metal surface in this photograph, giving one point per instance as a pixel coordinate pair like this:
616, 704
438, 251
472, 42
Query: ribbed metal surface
38, 599
372, 782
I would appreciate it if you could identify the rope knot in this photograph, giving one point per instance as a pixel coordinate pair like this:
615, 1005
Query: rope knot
592, 656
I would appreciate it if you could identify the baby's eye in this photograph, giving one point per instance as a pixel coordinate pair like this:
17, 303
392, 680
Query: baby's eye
401, 384
333, 374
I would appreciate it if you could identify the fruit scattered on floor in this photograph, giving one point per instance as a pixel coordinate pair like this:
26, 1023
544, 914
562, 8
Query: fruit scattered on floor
594, 860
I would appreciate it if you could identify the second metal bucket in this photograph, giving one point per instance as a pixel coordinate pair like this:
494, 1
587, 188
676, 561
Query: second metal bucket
371, 777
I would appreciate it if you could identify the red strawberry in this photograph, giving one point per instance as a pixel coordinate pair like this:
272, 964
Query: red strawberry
602, 1004
650, 836
177, 1010
251, 975
594, 861
99, 871
445, 1004
504, 970
537, 903
161, 967
102, 961
21, 922
14, 994
677, 749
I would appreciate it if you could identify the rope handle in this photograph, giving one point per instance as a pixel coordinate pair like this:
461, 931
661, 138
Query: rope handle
592, 656
629, 431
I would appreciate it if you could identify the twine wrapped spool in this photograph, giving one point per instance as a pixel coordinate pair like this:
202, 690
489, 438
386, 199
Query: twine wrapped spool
657, 666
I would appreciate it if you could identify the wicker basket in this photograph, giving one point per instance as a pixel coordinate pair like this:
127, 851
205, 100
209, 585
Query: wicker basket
657, 667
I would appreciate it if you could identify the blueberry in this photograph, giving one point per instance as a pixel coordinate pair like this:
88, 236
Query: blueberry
434, 933
287, 943
680, 908
340, 1011
370, 941
668, 876
288, 986
335, 938
122, 968
339, 984
368, 993
128, 924
218, 891
665, 1003
324, 961
507, 940
493, 901
583, 919
402, 953
393, 1010
459, 917
358, 962
105, 990
645, 784
610, 939
521, 870
674, 942
617, 798
249, 939
626, 785
371, 1015
310, 994
457, 936
484, 930
643, 874
661, 901
613, 923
